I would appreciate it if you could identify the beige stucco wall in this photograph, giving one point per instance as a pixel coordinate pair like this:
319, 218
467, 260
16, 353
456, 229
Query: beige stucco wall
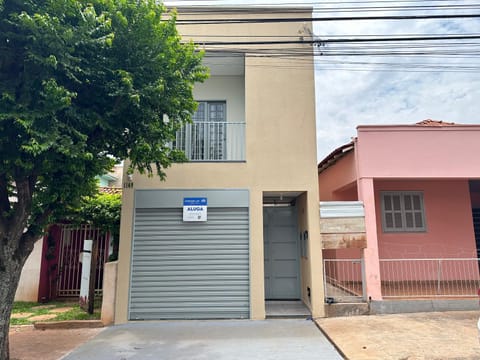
224, 88
109, 285
279, 110
311, 275
29, 280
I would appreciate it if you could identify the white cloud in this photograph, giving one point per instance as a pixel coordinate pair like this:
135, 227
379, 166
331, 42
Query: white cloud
347, 97
355, 98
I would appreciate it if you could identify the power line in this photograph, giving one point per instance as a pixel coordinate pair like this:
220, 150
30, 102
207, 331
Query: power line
339, 40
351, 9
322, 19
297, 51
219, 4
309, 3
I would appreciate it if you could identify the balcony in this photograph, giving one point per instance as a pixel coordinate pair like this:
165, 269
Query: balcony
212, 141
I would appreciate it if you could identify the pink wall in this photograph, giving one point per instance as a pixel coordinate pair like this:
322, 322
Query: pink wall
449, 234
339, 179
346, 270
352, 253
348, 193
418, 151
448, 216
475, 200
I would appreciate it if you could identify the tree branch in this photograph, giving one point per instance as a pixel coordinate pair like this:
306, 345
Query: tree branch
27, 241
41, 220
28, 238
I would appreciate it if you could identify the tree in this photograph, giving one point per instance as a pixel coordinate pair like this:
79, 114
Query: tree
83, 83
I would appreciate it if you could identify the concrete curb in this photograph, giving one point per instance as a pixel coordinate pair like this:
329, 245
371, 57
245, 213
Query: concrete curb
68, 324
329, 338
413, 306
400, 307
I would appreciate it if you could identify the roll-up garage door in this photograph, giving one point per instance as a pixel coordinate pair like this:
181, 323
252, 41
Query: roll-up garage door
190, 270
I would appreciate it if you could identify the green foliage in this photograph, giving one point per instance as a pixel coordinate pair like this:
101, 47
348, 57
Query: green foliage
83, 84
101, 210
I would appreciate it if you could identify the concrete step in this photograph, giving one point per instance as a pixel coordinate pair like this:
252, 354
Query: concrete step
346, 309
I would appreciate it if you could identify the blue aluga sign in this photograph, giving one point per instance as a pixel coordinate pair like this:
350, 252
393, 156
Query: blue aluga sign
195, 201
195, 209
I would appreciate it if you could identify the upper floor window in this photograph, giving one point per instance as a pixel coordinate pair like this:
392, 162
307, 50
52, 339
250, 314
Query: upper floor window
211, 137
403, 211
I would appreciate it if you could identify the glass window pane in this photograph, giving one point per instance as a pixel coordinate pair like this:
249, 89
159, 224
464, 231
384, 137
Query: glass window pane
396, 202
199, 115
416, 202
418, 220
388, 220
216, 112
387, 202
398, 220
407, 200
409, 220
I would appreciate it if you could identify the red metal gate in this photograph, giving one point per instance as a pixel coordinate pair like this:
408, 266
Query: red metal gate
69, 265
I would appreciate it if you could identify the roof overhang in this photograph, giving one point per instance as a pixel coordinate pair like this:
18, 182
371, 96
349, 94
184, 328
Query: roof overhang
335, 155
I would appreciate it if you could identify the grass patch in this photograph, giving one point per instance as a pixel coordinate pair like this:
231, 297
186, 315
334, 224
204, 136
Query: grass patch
21, 321
33, 309
77, 314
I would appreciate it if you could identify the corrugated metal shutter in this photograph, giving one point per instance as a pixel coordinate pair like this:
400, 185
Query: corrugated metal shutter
190, 270
341, 209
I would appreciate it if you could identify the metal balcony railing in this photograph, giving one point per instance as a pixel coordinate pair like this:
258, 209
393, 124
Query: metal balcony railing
212, 141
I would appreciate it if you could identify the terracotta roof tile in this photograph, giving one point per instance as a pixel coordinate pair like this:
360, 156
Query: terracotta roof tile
430, 122
335, 155
110, 190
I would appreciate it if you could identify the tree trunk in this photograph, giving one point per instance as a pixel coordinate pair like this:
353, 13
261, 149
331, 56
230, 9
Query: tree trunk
10, 272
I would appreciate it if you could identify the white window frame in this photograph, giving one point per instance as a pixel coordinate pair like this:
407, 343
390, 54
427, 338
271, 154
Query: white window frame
403, 212
212, 139
214, 144
205, 139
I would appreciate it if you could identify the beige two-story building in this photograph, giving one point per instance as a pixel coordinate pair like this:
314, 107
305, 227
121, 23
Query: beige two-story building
239, 223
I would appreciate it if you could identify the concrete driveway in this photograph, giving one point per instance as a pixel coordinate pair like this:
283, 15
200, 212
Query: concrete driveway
195, 339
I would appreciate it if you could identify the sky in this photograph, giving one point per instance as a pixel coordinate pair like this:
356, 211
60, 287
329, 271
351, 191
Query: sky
356, 90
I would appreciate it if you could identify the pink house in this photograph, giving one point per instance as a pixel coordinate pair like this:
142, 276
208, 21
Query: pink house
420, 187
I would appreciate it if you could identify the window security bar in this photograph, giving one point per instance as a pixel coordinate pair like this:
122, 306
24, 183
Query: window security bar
212, 141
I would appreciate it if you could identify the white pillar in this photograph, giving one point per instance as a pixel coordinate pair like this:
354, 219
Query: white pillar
86, 263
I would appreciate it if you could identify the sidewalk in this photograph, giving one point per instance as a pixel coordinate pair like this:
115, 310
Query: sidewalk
27, 343
415, 336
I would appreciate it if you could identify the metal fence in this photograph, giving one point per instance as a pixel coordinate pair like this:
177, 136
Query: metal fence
404, 278
343, 279
70, 267
429, 278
